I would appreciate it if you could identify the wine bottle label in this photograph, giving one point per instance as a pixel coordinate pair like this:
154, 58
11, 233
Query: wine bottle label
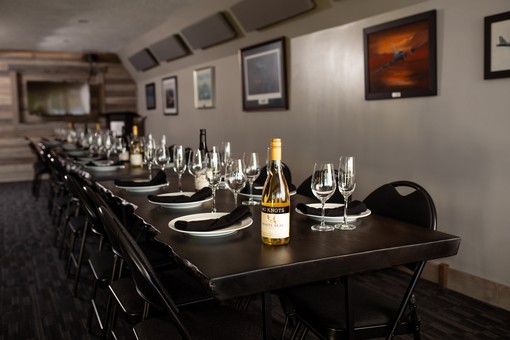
275, 222
136, 159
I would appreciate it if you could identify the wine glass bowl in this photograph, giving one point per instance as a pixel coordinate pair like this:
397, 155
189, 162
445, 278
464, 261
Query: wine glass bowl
235, 177
252, 171
346, 186
149, 153
323, 185
179, 163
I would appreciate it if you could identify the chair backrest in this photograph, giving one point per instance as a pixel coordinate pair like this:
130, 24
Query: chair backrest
147, 282
416, 207
97, 201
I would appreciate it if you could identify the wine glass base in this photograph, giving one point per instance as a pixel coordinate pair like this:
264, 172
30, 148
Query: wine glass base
251, 202
345, 226
320, 227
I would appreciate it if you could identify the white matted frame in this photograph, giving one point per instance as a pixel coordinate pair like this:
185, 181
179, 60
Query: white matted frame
264, 76
203, 79
169, 91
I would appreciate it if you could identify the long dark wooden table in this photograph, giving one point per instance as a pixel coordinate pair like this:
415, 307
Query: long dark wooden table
240, 265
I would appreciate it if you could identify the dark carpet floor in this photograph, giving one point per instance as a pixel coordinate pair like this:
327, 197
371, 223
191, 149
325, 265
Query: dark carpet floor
36, 300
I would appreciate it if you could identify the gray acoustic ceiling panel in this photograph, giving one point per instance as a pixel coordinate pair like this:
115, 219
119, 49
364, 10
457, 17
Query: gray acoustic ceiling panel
210, 31
257, 14
143, 60
169, 48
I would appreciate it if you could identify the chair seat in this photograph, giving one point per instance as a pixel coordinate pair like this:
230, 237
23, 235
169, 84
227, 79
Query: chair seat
77, 223
156, 329
124, 292
101, 264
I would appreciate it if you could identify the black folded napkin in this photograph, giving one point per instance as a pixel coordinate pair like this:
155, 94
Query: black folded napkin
198, 196
353, 208
237, 215
160, 178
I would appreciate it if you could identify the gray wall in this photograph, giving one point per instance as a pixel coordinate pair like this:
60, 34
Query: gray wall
454, 144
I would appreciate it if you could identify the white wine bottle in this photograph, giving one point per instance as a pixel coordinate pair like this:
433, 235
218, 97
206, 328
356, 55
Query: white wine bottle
135, 150
275, 218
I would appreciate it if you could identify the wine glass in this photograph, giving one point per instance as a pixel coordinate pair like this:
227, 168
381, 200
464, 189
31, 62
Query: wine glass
196, 167
213, 173
162, 156
323, 186
252, 171
235, 177
149, 153
179, 162
346, 186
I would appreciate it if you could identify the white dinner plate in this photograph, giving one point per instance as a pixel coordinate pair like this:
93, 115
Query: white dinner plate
148, 188
333, 219
103, 167
77, 153
213, 233
88, 159
182, 205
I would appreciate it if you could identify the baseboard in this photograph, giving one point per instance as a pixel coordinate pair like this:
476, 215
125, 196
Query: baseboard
473, 286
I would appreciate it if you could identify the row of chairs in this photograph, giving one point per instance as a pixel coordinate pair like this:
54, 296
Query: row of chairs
113, 267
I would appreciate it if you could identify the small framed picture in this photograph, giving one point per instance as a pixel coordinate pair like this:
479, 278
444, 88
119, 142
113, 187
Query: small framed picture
169, 90
400, 58
150, 96
264, 76
497, 46
204, 87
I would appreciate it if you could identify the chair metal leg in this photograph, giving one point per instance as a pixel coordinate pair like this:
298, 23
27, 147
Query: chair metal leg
80, 258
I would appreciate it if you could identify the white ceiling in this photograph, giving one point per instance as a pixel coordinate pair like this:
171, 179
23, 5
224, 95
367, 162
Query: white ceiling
81, 25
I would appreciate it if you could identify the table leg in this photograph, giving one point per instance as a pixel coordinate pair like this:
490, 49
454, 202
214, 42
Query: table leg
267, 320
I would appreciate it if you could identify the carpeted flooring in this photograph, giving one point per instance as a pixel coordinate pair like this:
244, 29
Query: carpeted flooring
36, 300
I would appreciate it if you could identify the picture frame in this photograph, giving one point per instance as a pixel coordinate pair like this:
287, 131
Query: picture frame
150, 96
401, 58
497, 46
264, 76
203, 80
170, 95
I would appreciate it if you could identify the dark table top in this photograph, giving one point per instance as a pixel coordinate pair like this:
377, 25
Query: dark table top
240, 264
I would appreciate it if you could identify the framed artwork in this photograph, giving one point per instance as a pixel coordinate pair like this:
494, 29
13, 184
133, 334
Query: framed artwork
169, 90
400, 58
497, 46
204, 87
150, 96
264, 76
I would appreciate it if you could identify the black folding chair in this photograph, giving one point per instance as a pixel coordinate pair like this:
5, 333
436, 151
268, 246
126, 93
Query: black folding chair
349, 307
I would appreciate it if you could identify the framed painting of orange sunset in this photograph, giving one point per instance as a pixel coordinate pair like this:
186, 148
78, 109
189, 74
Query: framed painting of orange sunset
400, 58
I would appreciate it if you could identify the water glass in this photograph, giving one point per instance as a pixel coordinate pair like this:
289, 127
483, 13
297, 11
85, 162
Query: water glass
235, 177
323, 186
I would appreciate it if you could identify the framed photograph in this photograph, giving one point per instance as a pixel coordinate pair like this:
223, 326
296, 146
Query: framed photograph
264, 76
150, 96
204, 87
497, 46
400, 58
169, 90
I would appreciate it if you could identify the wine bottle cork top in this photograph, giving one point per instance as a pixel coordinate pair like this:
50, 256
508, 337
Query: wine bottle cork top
276, 149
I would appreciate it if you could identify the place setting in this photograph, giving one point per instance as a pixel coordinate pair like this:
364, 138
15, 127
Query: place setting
324, 183
143, 185
182, 199
103, 165
213, 224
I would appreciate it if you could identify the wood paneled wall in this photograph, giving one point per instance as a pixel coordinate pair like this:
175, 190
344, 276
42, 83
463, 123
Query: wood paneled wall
112, 88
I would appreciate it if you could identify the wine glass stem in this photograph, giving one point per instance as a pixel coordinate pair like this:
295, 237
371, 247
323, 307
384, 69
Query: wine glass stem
346, 199
235, 199
323, 223
180, 182
251, 191
213, 199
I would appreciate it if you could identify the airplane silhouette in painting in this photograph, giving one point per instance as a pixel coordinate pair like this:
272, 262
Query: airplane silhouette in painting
503, 42
398, 55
